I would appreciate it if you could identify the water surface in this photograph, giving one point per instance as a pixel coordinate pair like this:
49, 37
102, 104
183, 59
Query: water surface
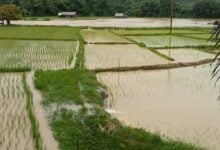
178, 103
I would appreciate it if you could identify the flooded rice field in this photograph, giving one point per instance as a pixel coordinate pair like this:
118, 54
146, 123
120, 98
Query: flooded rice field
186, 54
166, 41
120, 55
102, 36
15, 126
179, 103
161, 31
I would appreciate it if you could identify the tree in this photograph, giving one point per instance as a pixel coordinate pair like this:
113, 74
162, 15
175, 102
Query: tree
10, 12
164, 8
216, 37
207, 9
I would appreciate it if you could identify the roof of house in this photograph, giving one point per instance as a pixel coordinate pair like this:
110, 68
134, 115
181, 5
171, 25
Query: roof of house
119, 14
67, 13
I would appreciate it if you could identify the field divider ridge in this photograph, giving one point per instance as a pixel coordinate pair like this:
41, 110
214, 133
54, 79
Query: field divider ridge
32, 117
48, 141
72, 60
153, 67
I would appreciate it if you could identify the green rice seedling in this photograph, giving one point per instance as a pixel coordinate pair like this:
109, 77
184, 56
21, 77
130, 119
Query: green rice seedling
94, 36
15, 124
39, 33
47, 55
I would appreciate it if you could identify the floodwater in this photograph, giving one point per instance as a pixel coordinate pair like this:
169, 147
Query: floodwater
124, 22
186, 55
179, 103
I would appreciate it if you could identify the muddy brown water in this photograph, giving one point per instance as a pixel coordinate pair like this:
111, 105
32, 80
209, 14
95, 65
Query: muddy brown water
125, 22
179, 103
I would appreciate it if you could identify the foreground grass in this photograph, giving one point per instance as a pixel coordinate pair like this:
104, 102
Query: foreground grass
91, 128
39, 33
81, 84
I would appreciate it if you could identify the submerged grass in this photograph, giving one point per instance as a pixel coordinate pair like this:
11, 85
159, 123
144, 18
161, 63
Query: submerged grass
92, 128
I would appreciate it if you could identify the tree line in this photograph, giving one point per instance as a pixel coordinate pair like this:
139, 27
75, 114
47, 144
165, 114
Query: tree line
139, 8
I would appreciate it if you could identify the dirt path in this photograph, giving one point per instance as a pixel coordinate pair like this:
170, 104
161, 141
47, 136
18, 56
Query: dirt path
49, 143
72, 65
126, 22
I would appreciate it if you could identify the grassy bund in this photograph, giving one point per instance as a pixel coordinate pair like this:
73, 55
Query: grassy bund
73, 97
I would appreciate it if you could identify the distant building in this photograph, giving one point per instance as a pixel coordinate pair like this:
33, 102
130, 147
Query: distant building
67, 14
120, 15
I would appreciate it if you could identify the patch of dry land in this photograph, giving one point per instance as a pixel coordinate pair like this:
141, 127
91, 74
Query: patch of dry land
186, 55
15, 126
99, 56
102, 36
178, 103
36, 54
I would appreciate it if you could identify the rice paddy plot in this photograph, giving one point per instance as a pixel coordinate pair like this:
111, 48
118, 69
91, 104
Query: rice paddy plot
15, 126
36, 54
102, 36
178, 103
198, 36
154, 31
186, 55
109, 56
166, 41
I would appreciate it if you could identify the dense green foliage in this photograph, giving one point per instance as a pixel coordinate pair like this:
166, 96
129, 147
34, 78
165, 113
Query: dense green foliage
150, 8
92, 128
70, 86
39, 33
9, 12
207, 9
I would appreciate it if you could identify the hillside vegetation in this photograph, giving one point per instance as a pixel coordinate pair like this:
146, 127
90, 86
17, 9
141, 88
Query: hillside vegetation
140, 8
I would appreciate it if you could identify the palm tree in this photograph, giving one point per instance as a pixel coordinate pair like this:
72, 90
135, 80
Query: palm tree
216, 37
215, 33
